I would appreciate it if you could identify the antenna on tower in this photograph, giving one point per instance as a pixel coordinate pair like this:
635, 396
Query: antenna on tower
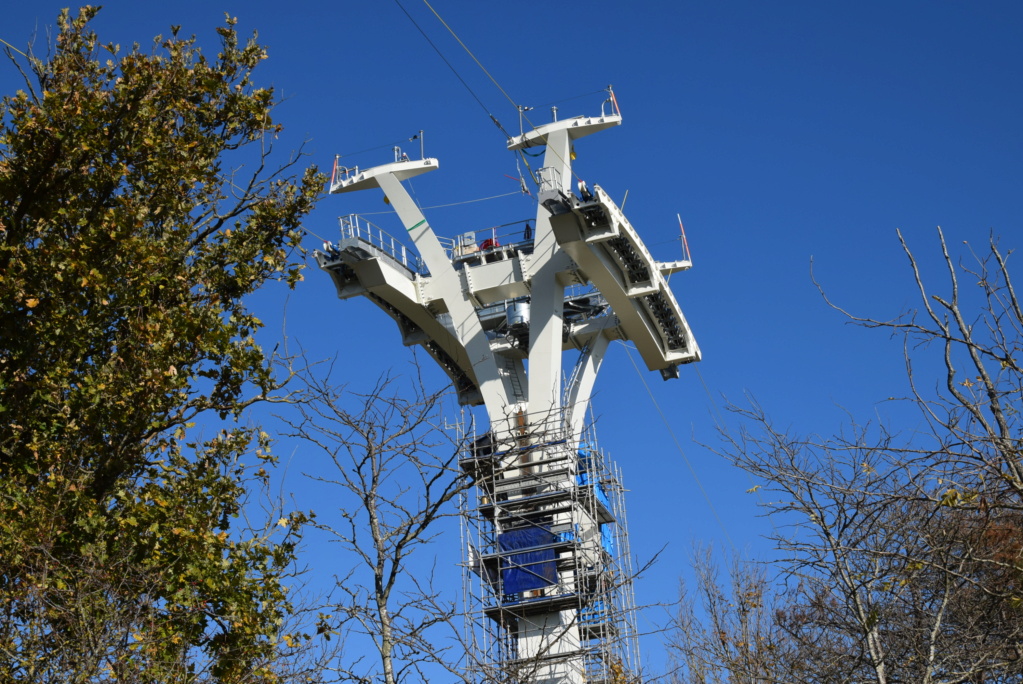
686, 256
421, 138
522, 115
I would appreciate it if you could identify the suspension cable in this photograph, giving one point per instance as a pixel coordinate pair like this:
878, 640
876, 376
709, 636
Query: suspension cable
453, 70
678, 446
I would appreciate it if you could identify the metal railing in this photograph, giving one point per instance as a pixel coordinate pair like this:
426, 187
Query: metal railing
487, 240
356, 227
550, 179
339, 174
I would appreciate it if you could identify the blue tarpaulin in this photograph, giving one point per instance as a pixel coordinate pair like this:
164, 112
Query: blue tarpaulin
584, 479
593, 614
607, 539
527, 570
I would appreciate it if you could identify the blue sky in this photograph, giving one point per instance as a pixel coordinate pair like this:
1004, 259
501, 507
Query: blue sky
781, 132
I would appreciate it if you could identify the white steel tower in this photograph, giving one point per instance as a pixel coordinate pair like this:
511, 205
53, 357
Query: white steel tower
547, 551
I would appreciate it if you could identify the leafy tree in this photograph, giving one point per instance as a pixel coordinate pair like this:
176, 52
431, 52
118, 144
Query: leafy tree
139, 205
902, 552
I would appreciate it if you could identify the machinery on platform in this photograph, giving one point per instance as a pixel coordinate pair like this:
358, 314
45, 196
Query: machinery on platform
548, 566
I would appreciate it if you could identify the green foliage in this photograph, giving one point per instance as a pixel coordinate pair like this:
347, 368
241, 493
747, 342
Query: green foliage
137, 209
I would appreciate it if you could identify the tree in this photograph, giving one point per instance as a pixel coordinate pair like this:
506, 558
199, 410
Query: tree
139, 205
903, 553
727, 633
396, 476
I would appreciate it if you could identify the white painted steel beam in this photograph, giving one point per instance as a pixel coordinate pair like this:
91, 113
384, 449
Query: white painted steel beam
547, 293
443, 276
608, 250
390, 287
573, 129
351, 180
580, 387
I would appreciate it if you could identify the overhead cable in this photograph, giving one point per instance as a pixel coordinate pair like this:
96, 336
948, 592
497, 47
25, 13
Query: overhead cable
678, 445
450, 66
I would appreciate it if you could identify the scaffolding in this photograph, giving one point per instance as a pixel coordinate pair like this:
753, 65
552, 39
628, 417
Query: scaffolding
545, 535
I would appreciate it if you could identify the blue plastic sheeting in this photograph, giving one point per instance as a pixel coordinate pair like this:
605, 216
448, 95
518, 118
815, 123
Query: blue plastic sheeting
593, 614
584, 460
527, 570
607, 539
584, 479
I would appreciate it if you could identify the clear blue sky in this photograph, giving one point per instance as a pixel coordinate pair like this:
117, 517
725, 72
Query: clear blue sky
781, 132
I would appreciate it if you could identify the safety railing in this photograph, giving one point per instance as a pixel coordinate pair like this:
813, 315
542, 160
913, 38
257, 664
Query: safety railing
356, 227
550, 179
340, 173
488, 240
611, 102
